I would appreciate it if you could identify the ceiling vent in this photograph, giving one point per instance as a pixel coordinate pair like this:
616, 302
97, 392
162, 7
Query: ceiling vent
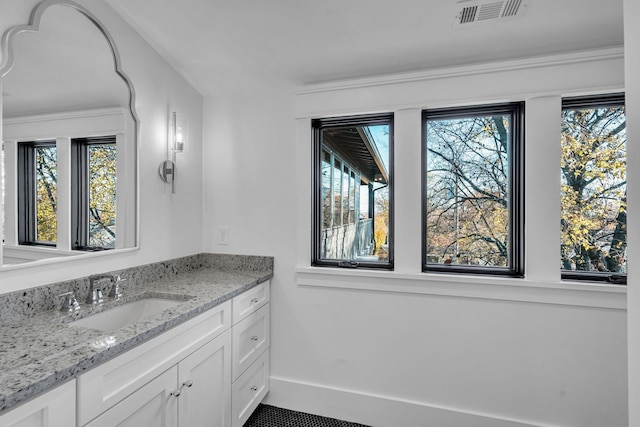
469, 12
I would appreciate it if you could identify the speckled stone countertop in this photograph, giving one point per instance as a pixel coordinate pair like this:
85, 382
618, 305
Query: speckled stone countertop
39, 348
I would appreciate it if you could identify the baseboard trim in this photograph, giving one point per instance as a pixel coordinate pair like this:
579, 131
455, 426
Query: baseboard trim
377, 410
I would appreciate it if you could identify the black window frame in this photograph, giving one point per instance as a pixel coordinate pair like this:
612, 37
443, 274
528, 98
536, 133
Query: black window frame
80, 190
317, 126
594, 101
26, 194
516, 152
26, 197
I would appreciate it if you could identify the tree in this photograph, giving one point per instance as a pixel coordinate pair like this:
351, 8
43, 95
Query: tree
594, 215
381, 218
46, 194
467, 190
102, 195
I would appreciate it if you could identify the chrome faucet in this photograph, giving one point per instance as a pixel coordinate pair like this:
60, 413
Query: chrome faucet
116, 291
70, 302
95, 291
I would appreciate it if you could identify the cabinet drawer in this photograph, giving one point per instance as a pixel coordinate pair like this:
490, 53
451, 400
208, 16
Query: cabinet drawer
107, 384
249, 390
248, 302
250, 339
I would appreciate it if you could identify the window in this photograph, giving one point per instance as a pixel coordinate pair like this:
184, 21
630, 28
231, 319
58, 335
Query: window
594, 191
93, 193
353, 198
37, 200
473, 185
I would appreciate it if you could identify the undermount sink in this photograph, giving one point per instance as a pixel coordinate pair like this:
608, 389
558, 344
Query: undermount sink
126, 314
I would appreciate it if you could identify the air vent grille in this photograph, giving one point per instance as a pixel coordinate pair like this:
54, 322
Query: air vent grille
477, 11
511, 8
490, 11
468, 14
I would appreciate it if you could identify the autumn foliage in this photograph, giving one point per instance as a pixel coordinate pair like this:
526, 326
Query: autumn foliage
594, 186
101, 212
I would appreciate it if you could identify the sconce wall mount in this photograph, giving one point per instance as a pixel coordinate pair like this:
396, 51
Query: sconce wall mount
175, 144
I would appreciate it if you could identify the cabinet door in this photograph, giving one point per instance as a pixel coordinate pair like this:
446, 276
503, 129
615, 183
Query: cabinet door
56, 408
152, 405
205, 381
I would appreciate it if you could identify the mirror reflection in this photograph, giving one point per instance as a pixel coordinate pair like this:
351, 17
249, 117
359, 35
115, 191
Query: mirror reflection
69, 140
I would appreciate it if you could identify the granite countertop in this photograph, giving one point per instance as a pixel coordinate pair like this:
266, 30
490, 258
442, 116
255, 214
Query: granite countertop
43, 350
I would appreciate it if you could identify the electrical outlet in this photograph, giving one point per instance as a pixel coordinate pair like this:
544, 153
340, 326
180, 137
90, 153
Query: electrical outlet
223, 235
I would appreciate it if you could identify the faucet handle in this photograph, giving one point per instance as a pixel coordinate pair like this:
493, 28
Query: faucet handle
116, 291
70, 302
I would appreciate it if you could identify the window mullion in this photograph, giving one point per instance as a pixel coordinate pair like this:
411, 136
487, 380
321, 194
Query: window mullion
63, 148
408, 220
542, 191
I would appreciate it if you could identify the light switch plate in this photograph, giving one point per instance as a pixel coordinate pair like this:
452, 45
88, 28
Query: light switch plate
223, 235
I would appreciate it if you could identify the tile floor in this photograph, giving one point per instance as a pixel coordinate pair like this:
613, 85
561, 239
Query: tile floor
270, 416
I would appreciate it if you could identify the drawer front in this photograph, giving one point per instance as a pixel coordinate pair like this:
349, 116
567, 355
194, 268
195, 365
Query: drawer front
107, 384
249, 390
248, 302
250, 338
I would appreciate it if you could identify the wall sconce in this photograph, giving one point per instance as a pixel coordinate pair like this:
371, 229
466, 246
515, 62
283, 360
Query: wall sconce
176, 141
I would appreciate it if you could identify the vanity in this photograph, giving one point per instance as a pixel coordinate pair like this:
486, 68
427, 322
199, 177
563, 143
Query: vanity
204, 360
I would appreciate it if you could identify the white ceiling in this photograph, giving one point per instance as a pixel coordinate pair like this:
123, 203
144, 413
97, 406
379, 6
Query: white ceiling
215, 43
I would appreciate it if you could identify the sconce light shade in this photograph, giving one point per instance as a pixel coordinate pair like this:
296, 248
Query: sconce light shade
180, 131
176, 142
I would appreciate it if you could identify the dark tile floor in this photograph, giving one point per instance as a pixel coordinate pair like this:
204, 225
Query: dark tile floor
270, 416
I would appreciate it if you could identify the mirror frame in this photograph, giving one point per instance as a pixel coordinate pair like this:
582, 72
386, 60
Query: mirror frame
5, 67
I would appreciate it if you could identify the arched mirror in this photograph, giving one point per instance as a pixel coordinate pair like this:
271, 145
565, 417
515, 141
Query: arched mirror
69, 132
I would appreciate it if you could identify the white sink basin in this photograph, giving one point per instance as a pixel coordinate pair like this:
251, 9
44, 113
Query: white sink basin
126, 314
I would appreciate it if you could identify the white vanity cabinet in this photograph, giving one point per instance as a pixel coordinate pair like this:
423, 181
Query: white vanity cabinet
184, 373
55, 408
251, 340
212, 370
195, 392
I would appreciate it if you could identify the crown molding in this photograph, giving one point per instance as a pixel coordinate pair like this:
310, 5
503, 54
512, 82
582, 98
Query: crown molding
467, 70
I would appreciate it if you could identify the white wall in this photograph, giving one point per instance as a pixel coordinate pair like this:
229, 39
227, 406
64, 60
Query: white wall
632, 80
170, 224
404, 348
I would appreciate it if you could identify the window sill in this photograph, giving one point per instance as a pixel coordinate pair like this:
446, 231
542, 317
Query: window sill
493, 288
